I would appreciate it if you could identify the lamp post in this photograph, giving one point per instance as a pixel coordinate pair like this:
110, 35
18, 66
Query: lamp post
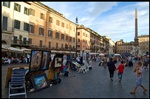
76, 34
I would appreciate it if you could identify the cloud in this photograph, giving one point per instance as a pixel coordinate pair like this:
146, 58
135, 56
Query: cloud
122, 22
100, 7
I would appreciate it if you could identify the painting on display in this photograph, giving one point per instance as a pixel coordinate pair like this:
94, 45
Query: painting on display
36, 58
45, 60
58, 60
40, 81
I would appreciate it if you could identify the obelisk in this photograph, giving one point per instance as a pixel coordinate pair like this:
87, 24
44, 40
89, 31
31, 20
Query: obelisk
136, 29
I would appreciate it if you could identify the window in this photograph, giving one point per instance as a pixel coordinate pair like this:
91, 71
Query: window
40, 43
42, 16
49, 33
24, 40
70, 46
78, 40
62, 46
66, 37
73, 39
15, 39
66, 46
31, 28
78, 33
57, 22
78, 45
30, 40
17, 7
41, 31
56, 45
26, 27
26, 11
32, 12
57, 35
70, 39
16, 24
49, 45
6, 4
62, 24
51, 19
5, 21
62, 36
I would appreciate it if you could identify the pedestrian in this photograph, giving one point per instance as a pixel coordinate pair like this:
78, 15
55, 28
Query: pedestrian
145, 62
111, 68
105, 61
120, 69
138, 70
28, 58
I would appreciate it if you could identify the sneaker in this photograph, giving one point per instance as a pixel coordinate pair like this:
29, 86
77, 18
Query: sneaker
145, 91
132, 92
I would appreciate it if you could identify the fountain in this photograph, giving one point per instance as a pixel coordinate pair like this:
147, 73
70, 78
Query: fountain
136, 51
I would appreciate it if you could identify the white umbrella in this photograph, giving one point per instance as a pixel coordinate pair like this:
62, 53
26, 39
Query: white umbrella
15, 49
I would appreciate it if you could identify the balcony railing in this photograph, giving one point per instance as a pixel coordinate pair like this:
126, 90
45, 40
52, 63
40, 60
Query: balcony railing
7, 29
18, 42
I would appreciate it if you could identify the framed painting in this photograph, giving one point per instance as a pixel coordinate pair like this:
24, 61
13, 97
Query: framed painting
36, 58
46, 55
40, 81
58, 60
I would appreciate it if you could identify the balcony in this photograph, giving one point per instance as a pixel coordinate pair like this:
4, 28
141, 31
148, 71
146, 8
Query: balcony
20, 43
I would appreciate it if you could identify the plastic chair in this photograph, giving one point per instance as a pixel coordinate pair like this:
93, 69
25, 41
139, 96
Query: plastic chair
17, 83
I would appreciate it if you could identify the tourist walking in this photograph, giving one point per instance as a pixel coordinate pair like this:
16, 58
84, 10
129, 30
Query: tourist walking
120, 69
111, 68
138, 70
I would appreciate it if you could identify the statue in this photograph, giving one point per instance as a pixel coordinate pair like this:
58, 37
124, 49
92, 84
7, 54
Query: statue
136, 51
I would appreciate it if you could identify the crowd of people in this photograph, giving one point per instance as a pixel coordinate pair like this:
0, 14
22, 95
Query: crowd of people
14, 59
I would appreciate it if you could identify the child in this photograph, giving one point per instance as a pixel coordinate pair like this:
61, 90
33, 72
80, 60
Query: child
120, 70
138, 70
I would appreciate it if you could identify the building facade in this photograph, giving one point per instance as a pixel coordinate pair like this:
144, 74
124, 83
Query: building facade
111, 47
144, 43
123, 47
83, 38
35, 25
7, 24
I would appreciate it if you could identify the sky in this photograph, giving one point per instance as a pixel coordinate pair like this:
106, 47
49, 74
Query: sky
113, 19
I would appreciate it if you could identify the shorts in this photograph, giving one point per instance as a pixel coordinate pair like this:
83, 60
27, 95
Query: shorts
139, 81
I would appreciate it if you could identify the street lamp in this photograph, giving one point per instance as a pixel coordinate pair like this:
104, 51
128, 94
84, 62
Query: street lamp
76, 34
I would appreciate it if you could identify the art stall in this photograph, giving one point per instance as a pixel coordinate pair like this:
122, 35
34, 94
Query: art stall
36, 77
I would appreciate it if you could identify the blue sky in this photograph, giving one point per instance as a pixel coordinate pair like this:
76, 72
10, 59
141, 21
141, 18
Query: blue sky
113, 19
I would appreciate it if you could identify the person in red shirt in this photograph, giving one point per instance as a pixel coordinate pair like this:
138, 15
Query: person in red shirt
120, 69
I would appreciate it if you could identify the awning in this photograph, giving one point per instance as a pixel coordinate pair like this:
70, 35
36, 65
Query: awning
15, 50
5, 46
26, 50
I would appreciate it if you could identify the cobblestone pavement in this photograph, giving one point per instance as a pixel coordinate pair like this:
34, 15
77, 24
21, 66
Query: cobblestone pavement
94, 84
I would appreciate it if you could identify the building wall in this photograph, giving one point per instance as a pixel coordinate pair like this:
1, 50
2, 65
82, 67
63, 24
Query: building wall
124, 47
7, 35
38, 22
144, 43
20, 16
84, 39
